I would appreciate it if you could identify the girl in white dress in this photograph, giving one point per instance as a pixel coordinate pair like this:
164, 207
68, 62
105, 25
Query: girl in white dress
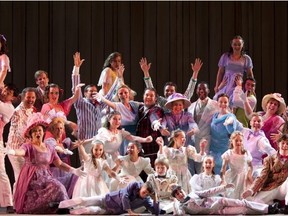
94, 164
112, 135
178, 156
131, 166
207, 178
240, 169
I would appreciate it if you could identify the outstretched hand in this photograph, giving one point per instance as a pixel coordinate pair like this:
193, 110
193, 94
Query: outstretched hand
77, 60
145, 67
197, 65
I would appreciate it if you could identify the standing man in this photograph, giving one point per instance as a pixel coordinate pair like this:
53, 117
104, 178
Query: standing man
148, 113
202, 111
7, 95
88, 109
42, 80
18, 123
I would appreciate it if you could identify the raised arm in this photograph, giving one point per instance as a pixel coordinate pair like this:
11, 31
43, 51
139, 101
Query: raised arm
192, 83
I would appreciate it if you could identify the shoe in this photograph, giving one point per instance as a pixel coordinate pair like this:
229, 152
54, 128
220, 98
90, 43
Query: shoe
70, 203
274, 208
284, 210
53, 204
80, 211
10, 210
63, 211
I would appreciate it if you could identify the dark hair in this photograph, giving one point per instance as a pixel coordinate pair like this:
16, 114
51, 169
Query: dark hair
52, 85
12, 87
139, 147
150, 89
149, 187
284, 137
213, 169
231, 49
28, 89
89, 86
38, 73
174, 134
222, 95
175, 189
110, 58
170, 84
4, 48
106, 123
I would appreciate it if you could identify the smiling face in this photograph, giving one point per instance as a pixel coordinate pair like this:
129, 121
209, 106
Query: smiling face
29, 99
58, 130
53, 95
283, 147
272, 106
202, 91
250, 86
237, 142
177, 106
98, 150
180, 195
223, 103
180, 139
169, 90
42, 80
116, 62
208, 165
132, 150
89, 92
256, 123
237, 45
123, 94
115, 121
149, 98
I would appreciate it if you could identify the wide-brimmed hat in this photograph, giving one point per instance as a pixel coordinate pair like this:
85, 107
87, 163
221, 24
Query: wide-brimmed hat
34, 120
276, 96
176, 97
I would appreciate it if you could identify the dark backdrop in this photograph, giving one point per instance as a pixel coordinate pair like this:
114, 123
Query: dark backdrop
44, 35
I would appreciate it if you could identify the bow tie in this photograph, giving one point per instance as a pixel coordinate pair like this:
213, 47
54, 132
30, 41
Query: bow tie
285, 157
164, 176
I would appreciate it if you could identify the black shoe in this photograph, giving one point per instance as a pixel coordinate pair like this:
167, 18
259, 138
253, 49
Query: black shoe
53, 204
284, 210
10, 210
274, 208
63, 211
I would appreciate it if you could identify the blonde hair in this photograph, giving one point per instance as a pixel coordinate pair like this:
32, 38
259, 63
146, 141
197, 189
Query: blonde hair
233, 136
103, 156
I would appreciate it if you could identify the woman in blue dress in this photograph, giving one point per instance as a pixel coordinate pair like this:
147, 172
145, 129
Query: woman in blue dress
223, 124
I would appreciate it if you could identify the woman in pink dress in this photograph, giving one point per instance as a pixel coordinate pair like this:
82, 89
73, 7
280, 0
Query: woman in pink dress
273, 106
53, 108
36, 189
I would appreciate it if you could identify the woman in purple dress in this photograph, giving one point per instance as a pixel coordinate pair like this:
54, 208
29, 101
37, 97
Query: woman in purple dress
232, 64
63, 147
36, 189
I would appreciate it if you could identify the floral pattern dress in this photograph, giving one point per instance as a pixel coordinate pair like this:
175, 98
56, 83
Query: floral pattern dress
36, 187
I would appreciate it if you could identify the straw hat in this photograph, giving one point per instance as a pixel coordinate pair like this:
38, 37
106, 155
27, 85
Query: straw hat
176, 97
34, 120
276, 96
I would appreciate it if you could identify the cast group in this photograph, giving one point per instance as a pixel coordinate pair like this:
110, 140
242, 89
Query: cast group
164, 155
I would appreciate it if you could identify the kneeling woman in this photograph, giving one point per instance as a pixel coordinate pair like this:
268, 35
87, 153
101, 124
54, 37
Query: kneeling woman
36, 189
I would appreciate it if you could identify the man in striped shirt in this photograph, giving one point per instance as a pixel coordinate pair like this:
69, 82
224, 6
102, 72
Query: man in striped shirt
88, 109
